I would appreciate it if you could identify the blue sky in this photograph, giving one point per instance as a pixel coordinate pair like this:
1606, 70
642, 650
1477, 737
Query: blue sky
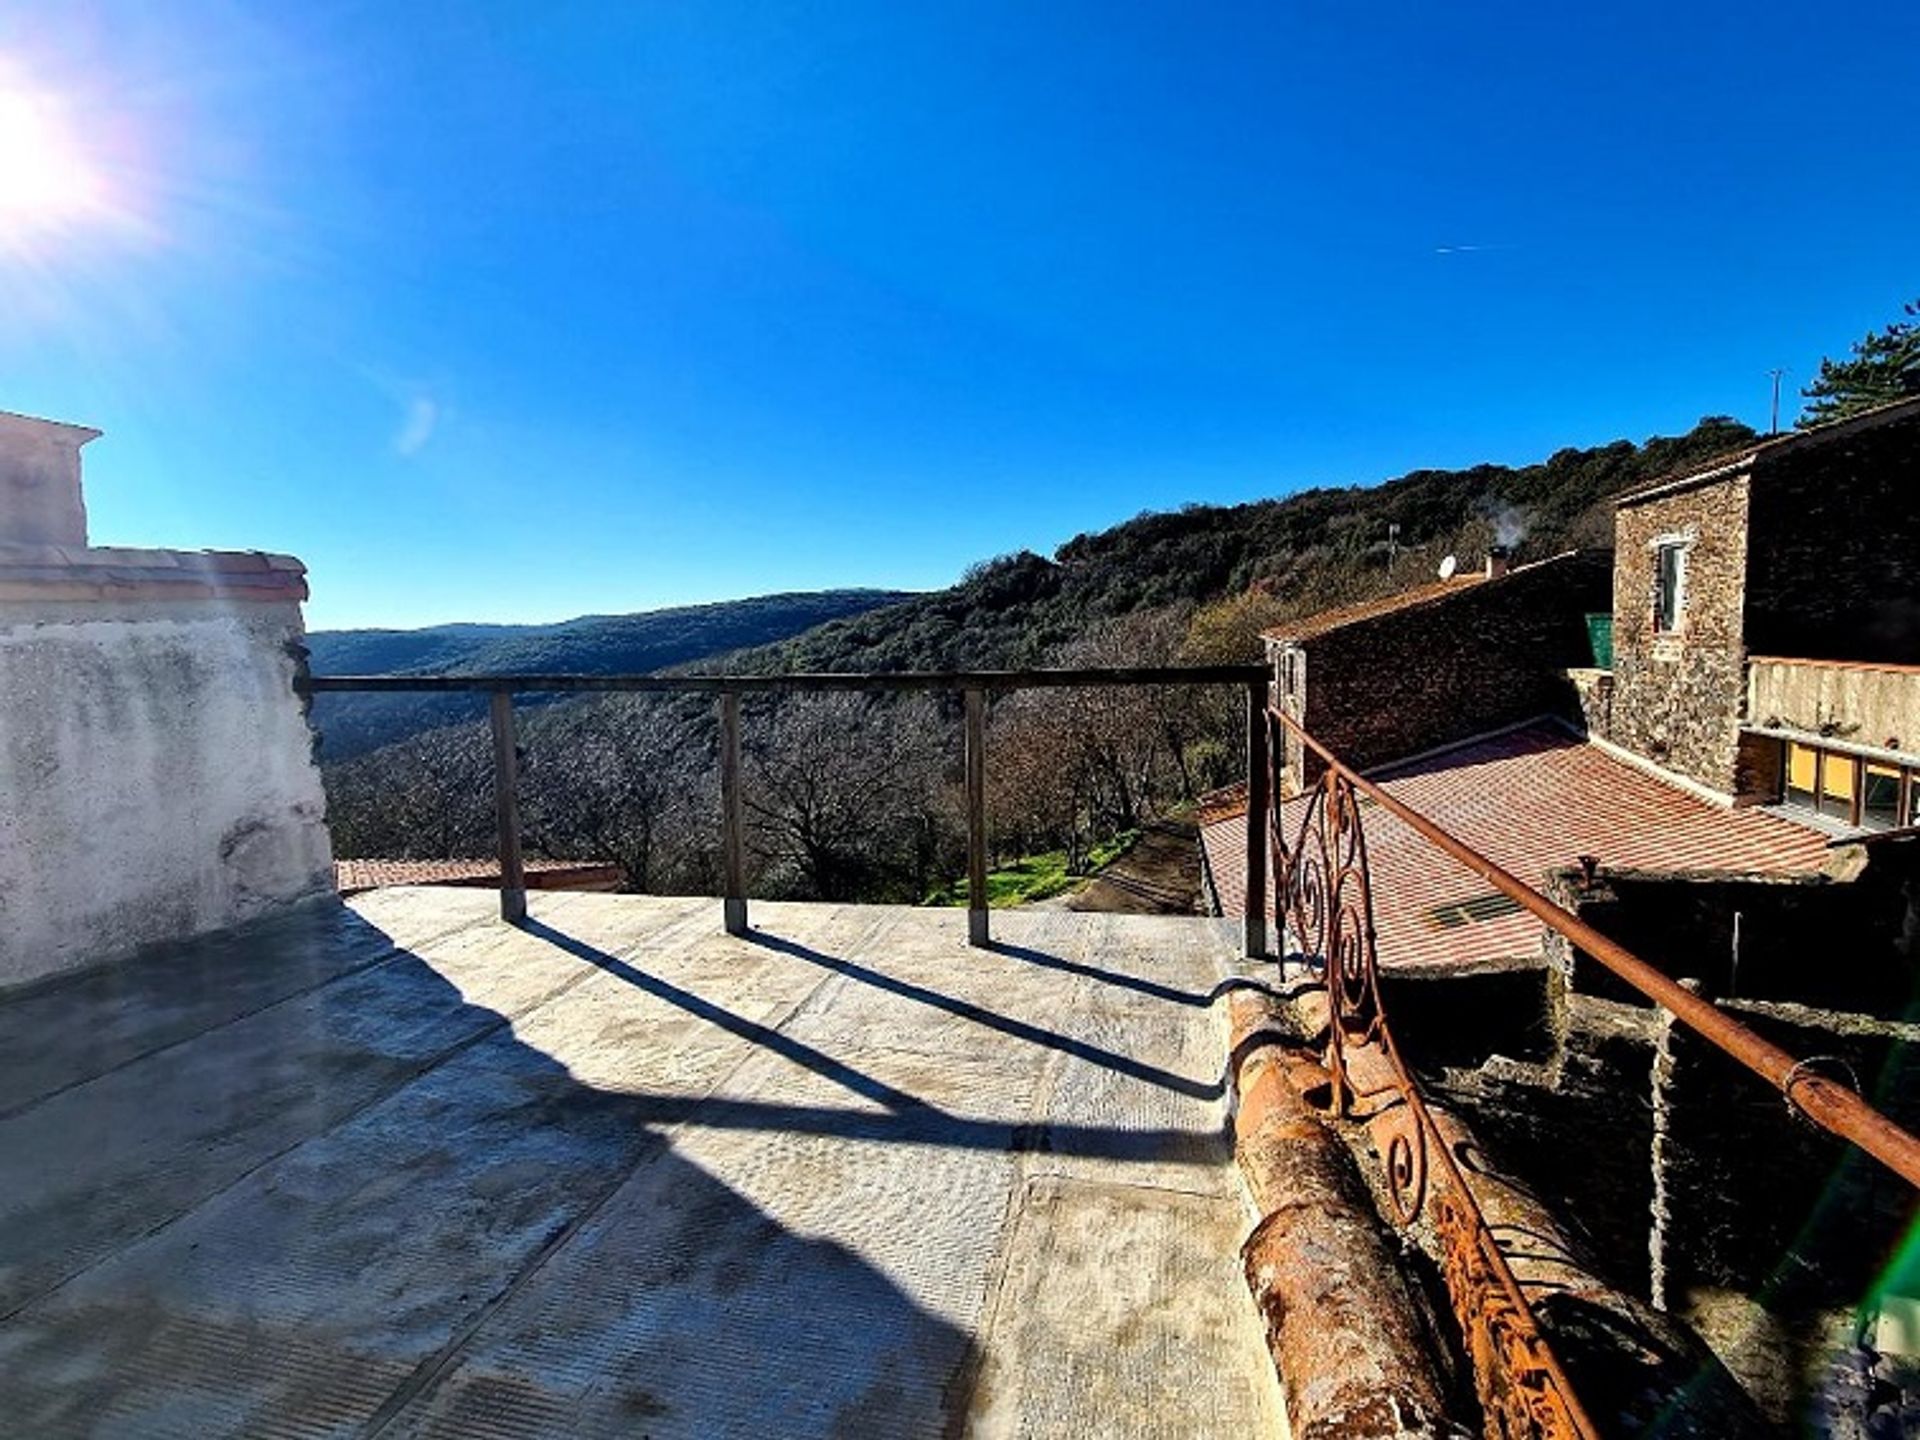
511, 311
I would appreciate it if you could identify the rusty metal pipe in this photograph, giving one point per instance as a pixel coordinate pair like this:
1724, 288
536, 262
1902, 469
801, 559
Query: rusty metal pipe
1343, 1325
1833, 1107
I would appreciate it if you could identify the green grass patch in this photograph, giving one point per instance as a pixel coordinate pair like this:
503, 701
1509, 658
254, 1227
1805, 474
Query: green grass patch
1108, 851
1038, 877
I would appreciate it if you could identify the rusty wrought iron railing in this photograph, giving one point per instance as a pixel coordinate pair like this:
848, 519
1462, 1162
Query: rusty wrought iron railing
1323, 903
972, 685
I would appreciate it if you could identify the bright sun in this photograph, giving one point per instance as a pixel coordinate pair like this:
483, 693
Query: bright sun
46, 178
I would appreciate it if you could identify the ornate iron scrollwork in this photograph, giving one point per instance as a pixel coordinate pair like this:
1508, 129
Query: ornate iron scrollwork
1323, 904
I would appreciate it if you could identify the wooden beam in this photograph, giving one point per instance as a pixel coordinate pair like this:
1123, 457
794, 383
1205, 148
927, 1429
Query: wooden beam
1255, 914
506, 795
977, 923
733, 822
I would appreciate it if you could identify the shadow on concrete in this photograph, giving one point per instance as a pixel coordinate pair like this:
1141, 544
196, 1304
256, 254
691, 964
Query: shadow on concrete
993, 1020
798, 1051
438, 1235
1151, 988
908, 1118
1199, 999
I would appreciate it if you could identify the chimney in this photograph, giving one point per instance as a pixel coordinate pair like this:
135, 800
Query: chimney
40, 500
1498, 559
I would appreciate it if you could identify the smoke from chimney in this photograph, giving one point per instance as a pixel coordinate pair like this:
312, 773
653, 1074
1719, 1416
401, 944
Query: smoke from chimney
1509, 527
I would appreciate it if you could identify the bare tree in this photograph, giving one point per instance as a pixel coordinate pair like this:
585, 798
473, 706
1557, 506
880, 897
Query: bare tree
425, 798
627, 778
846, 799
1038, 789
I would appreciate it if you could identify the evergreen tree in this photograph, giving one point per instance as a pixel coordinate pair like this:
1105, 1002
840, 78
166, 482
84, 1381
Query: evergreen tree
1885, 366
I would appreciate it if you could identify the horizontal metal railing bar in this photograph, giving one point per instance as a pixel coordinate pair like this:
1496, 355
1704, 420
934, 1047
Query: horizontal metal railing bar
878, 681
1833, 1107
973, 684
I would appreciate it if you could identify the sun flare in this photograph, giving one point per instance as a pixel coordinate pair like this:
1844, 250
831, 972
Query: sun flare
47, 179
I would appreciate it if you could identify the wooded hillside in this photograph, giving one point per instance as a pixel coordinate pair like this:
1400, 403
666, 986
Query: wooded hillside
591, 645
856, 799
1305, 552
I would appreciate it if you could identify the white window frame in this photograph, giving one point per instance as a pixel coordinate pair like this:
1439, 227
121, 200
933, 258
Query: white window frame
1293, 675
1682, 545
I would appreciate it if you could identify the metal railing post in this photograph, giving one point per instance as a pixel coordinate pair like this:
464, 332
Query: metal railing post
1255, 915
977, 923
973, 685
733, 825
506, 795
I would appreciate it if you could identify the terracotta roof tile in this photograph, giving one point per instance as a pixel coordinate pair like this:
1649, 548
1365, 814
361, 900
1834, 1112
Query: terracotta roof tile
350, 877
1222, 804
1533, 800
1429, 593
1311, 625
108, 572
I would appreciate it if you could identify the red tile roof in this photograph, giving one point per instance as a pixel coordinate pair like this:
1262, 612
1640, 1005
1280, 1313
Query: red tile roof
109, 572
1433, 592
350, 877
1222, 804
1309, 626
1533, 800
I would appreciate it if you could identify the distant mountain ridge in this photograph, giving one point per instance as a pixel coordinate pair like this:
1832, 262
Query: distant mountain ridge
589, 645
1300, 553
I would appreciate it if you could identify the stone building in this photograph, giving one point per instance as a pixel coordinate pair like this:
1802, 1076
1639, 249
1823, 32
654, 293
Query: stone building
1439, 663
1731, 789
1765, 636
1764, 652
1766, 622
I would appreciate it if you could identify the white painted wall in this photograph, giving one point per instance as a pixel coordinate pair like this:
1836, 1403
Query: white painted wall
156, 777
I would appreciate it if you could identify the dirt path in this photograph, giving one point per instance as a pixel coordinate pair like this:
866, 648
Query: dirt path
1159, 876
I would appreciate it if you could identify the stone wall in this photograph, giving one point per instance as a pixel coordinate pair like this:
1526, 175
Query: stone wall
1750, 936
1697, 1182
1287, 691
1394, 685
1593, 696
1678, 698
1836, 546
155, 760
1772, 1233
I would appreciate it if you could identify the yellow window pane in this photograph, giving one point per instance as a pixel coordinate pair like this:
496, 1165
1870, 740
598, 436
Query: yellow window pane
1802, 765
1838, 779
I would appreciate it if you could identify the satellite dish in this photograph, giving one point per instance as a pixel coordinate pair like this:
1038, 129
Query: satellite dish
1448, 566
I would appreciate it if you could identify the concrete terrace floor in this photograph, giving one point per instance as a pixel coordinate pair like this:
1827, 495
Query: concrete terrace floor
393, 1168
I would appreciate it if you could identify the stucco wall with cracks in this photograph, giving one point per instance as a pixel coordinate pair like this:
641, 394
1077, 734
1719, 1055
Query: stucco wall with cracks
157, 773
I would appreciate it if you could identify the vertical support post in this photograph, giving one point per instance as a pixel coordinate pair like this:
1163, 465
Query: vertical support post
1662, 1253
977, 927
733, 824
506, 795
1255, 914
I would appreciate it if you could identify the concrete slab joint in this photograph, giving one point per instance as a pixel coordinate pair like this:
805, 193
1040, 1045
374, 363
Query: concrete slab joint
393, 1168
